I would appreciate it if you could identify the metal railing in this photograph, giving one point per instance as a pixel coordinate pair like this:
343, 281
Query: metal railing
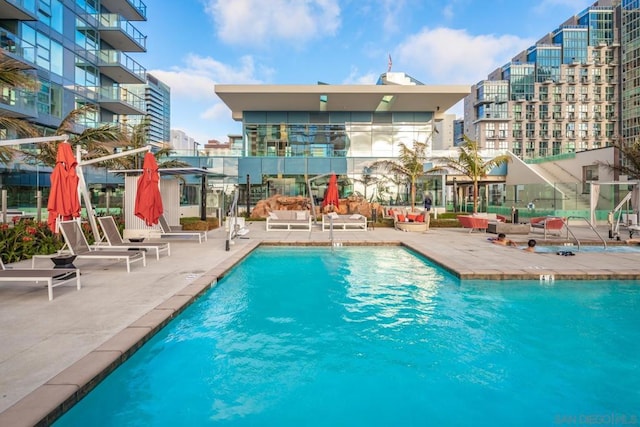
569, 231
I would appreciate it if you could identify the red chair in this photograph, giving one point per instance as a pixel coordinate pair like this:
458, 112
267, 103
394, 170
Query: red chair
549, 224
473, 223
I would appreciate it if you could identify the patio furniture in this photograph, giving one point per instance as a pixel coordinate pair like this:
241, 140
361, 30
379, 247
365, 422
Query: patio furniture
77, 243
114, 240
548, 224
355, 222
52, 276
288, 220
167, 231
474, 222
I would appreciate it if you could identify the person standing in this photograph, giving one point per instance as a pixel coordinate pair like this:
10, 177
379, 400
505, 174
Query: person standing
427, 209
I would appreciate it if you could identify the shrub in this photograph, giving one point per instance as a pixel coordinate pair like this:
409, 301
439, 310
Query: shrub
27, 238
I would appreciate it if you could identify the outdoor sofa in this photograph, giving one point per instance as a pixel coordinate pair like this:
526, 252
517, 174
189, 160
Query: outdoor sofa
289, 220
354, 222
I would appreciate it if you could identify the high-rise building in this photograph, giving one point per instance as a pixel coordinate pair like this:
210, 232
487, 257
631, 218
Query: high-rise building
79, 50
157, 96
630, 70
563, 94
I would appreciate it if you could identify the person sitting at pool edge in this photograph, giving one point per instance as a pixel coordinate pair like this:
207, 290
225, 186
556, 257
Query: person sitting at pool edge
502, 240
531, 246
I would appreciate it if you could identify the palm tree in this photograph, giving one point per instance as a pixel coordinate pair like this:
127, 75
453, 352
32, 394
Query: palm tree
14, 77
94, 141
137, 138
410, 165
470, 164
367, 180
630, 162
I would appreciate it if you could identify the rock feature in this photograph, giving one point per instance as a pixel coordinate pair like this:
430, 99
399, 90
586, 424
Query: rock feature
353, 204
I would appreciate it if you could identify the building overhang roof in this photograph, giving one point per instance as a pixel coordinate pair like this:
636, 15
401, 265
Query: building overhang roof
170, 171
330, 98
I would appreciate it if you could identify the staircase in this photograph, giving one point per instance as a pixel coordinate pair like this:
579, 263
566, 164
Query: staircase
565, 182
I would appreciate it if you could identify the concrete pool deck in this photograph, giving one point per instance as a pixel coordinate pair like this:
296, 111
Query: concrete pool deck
53, 352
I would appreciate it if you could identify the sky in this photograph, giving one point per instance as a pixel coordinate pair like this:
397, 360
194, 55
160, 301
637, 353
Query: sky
193, 45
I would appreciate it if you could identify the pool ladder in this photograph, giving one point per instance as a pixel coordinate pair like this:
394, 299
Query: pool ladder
569, 231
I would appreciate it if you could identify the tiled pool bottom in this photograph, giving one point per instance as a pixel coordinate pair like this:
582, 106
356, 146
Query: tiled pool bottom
380, 339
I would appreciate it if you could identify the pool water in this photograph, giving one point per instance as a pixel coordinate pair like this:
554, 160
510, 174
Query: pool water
588, 248
373, 336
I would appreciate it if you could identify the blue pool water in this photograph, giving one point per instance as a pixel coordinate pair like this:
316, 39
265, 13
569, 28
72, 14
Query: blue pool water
379, 337
589, 248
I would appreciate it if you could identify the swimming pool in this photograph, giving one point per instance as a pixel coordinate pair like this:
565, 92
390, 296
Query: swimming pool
373, 336
588, 248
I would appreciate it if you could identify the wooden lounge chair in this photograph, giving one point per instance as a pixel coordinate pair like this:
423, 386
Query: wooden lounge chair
53, 276
78, 246
167, 231
114, 240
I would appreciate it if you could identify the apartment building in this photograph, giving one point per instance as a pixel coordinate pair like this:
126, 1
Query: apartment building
82, 52
561, 95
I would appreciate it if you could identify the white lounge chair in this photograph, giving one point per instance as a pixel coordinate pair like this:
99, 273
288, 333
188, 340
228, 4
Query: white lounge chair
166, 231
78, 246
114, 240
53, 276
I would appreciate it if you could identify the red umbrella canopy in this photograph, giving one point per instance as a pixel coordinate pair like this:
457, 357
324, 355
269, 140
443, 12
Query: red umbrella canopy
331, 196
148, 200
63, 197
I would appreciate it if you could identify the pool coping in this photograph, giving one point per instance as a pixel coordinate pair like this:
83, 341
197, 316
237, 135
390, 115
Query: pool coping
57, 395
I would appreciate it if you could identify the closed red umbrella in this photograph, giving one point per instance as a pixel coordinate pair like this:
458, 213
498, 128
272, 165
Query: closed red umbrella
332, 197
148, 199
63, 200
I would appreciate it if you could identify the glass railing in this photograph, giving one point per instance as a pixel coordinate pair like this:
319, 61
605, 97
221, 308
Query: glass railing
18, 101
121, 94
26, 5
11, 43
139, 6
115, 57
114, 21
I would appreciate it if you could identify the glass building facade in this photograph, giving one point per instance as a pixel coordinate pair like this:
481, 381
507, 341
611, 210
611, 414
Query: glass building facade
82, 52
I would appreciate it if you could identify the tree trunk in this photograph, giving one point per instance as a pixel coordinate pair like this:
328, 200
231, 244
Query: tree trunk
475, 196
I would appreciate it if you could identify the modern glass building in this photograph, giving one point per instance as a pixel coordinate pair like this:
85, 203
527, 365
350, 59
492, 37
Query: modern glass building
82, 53
295, 132
564, 93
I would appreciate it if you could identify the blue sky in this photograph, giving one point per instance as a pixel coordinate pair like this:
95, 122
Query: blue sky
192, 45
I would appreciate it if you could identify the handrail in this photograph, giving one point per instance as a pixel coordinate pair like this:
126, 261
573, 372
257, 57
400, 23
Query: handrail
234, 211
566, 224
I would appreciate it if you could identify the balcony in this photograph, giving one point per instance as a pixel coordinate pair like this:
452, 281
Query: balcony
21, 52
17, 104
20, 10
571, 80
598, 80
118, 66
118, 32
544, 117
133, 10
597, 117
115, 99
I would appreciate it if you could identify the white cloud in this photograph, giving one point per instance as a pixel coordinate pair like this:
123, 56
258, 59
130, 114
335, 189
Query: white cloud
450, 56
194, 105
258, 22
